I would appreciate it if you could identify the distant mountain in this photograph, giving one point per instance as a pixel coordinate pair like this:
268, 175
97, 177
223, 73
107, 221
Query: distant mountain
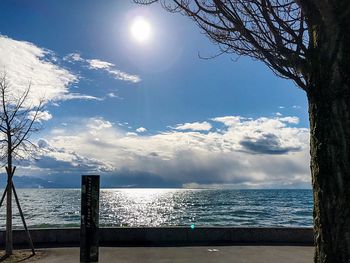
123, 179
29, 182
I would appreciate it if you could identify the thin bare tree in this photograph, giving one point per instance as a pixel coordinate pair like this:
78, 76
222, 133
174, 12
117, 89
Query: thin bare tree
308, 42
18, 120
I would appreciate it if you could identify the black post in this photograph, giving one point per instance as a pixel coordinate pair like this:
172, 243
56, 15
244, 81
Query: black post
90, 191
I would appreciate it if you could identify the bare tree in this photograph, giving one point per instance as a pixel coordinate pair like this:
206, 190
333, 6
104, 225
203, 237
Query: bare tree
307, 41
18, 120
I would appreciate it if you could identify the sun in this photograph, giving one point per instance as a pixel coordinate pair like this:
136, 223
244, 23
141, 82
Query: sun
141, 29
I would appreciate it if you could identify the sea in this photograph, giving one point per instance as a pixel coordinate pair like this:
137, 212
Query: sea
58, 208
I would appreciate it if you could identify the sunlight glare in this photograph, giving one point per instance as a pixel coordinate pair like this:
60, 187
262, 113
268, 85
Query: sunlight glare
141, 29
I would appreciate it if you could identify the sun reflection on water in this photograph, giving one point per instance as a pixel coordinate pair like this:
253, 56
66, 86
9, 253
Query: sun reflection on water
144, 207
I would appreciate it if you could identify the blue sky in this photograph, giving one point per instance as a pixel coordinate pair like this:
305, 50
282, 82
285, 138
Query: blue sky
151, 113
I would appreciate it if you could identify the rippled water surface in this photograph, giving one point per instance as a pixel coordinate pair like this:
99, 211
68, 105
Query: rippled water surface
168, 207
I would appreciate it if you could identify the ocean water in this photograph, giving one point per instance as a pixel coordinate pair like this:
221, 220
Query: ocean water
168, 207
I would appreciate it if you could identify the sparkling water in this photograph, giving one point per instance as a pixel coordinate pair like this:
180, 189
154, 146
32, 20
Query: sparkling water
168, 207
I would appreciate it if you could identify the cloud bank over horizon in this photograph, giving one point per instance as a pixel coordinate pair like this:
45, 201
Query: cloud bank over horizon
238, 153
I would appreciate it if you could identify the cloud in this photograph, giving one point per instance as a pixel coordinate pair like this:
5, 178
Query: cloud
293, 120
73, 57
66, 161
27, 64
42, 143
79, 96
266, 144
98, 124
118, 74
40, 115
112, 95
248, 153
141, 129
228, 120
97, 64
195, 126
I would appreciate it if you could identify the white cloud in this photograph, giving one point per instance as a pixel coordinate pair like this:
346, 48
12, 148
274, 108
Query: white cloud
253, 153
42, 143
110, 68
27, 64
40, 115
112, 95
71, 96
97, 64
98, 124
73, 57
232, 121
57, 131
131, 134
118, 74
141, 129
194, 126
66, 161
228, 120
293, 120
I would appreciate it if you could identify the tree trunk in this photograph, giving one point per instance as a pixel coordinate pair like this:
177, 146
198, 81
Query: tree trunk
329, 112
10, 171
330, 167
9, 243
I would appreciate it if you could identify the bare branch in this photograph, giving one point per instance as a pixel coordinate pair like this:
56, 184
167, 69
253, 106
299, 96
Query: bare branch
18, 120
273, 31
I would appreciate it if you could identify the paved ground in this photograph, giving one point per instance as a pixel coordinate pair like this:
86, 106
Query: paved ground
221, 254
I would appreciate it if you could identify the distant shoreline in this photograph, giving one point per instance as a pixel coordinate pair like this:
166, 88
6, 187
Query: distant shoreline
32, 182
166, 188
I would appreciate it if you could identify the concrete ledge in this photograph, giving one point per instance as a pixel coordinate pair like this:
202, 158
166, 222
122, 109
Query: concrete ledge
168, 236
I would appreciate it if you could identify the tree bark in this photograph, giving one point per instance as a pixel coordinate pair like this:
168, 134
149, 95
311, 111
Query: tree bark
330, 167
10, 171
329, 112
9, 244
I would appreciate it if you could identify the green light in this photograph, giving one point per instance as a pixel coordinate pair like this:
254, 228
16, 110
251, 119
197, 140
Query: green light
192, 226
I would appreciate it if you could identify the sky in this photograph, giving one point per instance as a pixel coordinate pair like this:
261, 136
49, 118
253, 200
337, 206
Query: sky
129, 96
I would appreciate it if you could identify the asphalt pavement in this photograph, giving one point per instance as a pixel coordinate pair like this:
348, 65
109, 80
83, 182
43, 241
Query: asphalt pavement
200, 254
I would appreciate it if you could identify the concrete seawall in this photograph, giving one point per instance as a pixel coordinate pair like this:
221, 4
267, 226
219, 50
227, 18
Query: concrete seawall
168, 236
